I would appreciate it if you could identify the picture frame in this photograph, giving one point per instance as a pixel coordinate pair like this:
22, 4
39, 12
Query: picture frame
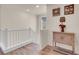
69, 9
56, 12
62, 19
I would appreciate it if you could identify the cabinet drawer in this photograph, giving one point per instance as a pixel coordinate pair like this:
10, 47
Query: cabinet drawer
63, 38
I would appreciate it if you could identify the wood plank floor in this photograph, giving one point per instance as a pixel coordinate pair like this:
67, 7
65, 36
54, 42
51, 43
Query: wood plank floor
32, 49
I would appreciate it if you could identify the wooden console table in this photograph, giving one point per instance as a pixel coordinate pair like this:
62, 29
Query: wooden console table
64, 38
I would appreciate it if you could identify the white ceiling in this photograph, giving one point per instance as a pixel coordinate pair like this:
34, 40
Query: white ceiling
42, 10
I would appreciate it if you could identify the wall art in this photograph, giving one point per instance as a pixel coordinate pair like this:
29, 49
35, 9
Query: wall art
69, 9
56, 12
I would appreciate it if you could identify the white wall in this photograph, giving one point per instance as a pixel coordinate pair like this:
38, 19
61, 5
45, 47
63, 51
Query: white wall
42, 33
72, 22
14, 16
0, 25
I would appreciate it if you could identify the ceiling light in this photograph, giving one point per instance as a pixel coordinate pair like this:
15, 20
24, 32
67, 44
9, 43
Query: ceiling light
37, 6
27, 10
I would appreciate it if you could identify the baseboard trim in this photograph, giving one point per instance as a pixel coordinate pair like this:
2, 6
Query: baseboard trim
15, 47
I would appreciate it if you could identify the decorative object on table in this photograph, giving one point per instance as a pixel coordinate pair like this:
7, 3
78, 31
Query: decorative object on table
69, 9
62, 26
56, 12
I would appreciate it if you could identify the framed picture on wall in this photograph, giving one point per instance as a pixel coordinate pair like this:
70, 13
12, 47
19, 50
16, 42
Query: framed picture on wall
62, 19
69, 9
56, 12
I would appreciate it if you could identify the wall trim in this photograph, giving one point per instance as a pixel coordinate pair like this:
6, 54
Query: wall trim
15, 47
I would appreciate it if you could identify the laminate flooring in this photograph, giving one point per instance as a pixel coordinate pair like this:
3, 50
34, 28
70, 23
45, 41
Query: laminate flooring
32, 49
